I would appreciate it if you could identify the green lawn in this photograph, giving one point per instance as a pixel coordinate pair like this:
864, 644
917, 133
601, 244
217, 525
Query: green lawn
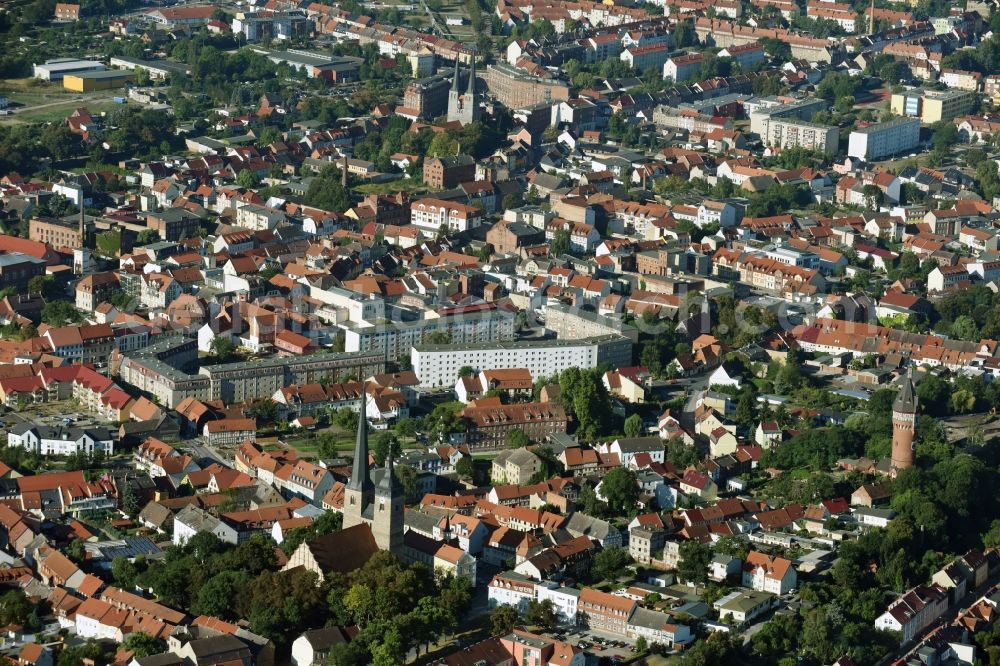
411, 185
109, 244
59, 113
308, 443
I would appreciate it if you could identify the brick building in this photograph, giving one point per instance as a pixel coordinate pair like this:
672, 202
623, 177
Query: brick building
444, 172
56, 233
17, 269
174, 224
507, 236
488, 421
425, 98
604, 612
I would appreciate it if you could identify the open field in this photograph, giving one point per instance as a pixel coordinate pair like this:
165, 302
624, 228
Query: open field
36, 101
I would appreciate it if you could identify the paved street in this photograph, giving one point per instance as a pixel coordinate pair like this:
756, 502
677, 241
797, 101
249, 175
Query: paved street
203, 451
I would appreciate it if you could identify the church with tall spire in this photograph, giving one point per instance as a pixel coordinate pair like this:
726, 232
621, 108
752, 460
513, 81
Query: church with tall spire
374, 498
463, 107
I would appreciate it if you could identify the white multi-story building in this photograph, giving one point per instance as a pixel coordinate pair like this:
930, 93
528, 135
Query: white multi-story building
258, 218
892, 137
792, 133
99, 619
438, 365
912, 612
682, 67
641, 58
511, 589
397, 339
432, 214
60, 441
764, 112
768, 574
564, 600
191, 520
791, 256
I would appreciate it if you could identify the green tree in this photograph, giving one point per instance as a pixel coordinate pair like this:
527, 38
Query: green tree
218, 595
517, 439
408, 480
407, 428
59, 141
684, 35
633, 426
60, 313
503, 619
694, 559
381, 446
124, 572
541, 614
222, 348
733, 546
143, 645
620, 489
609, 563
131, 502
560, 243
746, 409
147, 236
327, 192
964, 328
438, 338
991, 538
640, 645
720, 647
442, 145
584, 395
42, 285
247, 179
14, 607
389, 651
465, 467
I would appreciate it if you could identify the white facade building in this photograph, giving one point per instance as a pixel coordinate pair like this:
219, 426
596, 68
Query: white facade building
397, 339
432, 214
438, 365
564, 600
49, 440
884, 139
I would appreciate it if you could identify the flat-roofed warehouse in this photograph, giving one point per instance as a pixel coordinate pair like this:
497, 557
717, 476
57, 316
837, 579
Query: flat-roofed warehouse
335, 69
88, 81
158, 69
55, 70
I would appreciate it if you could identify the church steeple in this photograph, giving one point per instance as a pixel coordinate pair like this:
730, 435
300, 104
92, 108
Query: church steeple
387, 518
360, 478
454, 81
389, 485
359, 493
471, 90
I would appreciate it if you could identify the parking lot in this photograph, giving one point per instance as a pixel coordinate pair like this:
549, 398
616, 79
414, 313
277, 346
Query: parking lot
596, 642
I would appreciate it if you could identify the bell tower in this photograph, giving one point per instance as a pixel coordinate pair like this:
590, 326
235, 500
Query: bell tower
387, 513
